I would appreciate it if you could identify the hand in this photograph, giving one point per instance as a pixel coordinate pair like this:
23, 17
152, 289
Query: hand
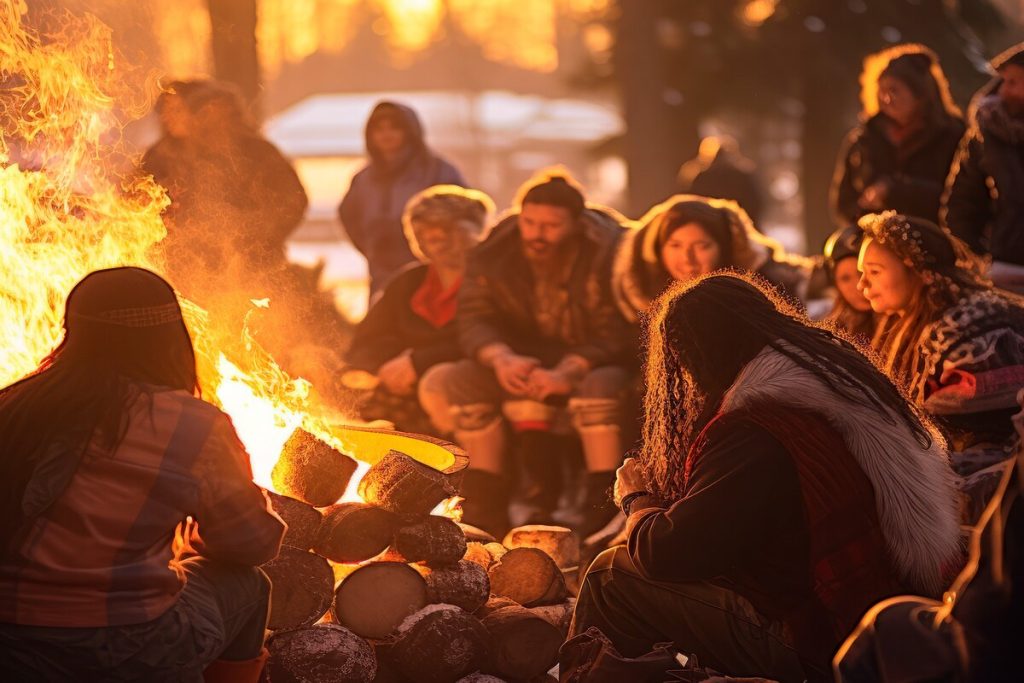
398, 374
874, 196
544, 383
513, 372
628, 479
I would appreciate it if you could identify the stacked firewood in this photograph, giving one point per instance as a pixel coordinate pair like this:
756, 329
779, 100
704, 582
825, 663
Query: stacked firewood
384, 591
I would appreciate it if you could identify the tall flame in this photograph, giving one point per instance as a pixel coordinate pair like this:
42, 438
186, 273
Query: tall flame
72, 202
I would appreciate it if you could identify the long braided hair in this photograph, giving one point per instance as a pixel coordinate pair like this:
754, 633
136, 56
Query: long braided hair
701, 334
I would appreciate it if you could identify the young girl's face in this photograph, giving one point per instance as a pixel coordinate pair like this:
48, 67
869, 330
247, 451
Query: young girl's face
886, 282
847, 277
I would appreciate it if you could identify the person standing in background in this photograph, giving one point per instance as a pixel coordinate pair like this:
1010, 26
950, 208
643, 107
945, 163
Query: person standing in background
400, 165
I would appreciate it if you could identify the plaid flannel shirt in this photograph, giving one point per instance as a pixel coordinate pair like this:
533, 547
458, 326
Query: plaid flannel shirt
102, 554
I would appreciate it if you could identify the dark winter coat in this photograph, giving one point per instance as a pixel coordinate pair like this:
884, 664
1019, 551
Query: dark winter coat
915, 170
730, 177
984, 203
371, 211
390, 327
497, 302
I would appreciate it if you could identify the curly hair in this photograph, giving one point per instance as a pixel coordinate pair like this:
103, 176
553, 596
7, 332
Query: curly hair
945, 269
700, 336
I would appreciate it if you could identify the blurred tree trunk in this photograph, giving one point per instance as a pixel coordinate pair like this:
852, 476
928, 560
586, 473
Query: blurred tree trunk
661, 124
235, 58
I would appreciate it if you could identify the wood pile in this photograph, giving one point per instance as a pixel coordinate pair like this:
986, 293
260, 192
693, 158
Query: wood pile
383, 591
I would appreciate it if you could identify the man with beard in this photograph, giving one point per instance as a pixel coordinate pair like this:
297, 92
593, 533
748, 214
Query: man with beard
539, 329
984, 203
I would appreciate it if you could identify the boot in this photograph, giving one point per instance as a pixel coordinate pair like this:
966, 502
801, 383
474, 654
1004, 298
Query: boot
232, 671
598, 507
486, 501
539, 454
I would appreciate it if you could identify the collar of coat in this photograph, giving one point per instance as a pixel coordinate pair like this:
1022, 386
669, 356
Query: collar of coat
914, 486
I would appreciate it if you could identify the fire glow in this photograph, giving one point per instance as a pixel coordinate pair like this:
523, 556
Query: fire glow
70, 204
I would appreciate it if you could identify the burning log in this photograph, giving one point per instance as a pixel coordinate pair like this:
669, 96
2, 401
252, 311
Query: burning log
478, 554
354, 532
464, 585
303, 520
320, 654
303, 585
438, 541
561, 544
528, 576
312, 471
374, 599
558, 615
496, 550
440, 643
404, 486
523, 645
478, 677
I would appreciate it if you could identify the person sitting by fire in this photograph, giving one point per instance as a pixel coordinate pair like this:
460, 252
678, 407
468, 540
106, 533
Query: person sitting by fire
108, 449
783, 486
411, 327
851, 311
539, 330
688, 236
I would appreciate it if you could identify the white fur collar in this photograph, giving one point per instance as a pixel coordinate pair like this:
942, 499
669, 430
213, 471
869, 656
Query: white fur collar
914, 486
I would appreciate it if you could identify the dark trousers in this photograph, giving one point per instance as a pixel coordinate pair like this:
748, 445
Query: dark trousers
719, 627
221, 613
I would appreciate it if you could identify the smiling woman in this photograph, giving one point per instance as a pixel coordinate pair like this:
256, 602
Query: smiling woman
949, 335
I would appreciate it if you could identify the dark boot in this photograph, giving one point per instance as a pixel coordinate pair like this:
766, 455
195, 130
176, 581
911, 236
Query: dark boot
598, 507
486, 501
539, 454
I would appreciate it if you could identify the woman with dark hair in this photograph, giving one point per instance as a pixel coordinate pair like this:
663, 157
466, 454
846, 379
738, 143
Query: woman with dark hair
783, 486
851, 311
899, 156
688, 236
956, 341
107, 450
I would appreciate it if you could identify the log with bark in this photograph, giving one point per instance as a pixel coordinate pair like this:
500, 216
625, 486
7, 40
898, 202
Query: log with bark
493, 604
303, 586
558, 615
303, 520
477, 553
477, 534
326, 653
374, 599
528, 576
523, 645
439, 644
311, 470
436, 540
404, 486
464, 585
560, 543
354, 532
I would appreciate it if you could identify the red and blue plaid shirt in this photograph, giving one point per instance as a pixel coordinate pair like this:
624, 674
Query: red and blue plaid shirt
102, 554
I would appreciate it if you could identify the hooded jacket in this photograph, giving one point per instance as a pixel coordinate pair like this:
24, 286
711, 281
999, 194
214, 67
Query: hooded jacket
638, 276
497, 300
915, 170
984, 201
371, 211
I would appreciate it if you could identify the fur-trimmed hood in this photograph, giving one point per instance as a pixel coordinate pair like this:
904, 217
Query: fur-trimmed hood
638, 276
914, 486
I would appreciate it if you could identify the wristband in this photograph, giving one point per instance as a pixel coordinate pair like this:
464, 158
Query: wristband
629, 498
